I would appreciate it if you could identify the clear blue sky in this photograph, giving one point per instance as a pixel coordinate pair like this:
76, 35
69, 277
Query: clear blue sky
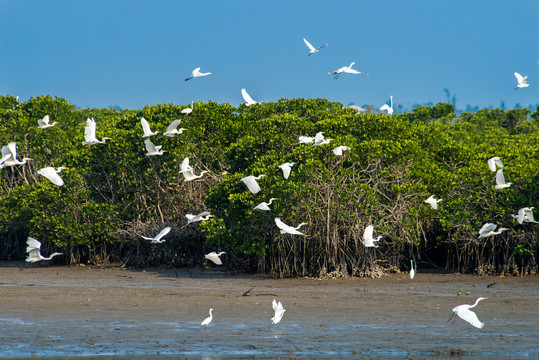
133, 53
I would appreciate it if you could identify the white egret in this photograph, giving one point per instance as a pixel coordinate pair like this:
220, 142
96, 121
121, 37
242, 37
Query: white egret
215, 257
412, 271
494, 162
339, 150
207, 320
464, 312
500, 180
433, 202
525, 215
153, 150
287, 229
52, 174
172, 129
89, 133
346, 70
45, 122
264, 205
196, 73
33, 249
522, 82
312, 49
279, 311
368, 238
9, 156
146, 128
388, 108
251, 183
319, 139
188, 110
158, 237
203, 216
248, 99
358, 109
488, 230
286, 167
188, 172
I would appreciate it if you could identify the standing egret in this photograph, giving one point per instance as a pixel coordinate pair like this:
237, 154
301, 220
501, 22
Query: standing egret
89, 133
279, 311
248, 99
347, 70
33, 251
388, 108
412, 271
286, 167
368, 238
215, 257
172, 129
44, 123
196, 73
312, 49
203, 216
207, 320
522, 82
251, 183
264, 205
339, 150
494, 162
464, 312
525, 215
146, 128
153, 150
488, 230
188, 110
158, 237
433, 202
500, 180
52, 174
287, 229
9, 156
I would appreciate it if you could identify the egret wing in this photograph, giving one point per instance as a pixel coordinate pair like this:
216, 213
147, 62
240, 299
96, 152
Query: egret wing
52, 175
309, 45
248, 99
487, 227
470, 317
519, 77
500, 179
163, 233
32, 244
173, 125
89, 130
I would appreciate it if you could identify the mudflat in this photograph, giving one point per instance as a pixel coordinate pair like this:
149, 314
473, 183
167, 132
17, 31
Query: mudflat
87, 311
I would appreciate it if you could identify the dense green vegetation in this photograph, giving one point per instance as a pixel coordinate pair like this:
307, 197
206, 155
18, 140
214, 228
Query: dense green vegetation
113, 193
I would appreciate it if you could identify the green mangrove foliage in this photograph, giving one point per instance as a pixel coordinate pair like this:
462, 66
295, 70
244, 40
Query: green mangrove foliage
113, 193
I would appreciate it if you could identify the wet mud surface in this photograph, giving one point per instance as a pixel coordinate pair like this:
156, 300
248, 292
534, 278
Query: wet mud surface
57, 312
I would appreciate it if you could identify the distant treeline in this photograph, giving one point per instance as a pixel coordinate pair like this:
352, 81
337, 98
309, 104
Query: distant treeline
113, 193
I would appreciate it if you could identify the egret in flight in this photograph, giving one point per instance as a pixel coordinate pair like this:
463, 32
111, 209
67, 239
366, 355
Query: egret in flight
188, 172
33, 249
9, 156
264, 205
207, 320
433, 202
522, 82
346, 70
196, 73
251, 183
286, 167
287, 229
44, 123
488, 230
203, 216
312, 49
158, 237
188, 110
368, 238
525, 215
172, 129
319, 139
248, 99
494, 162
279, 311
464, 312
339, 150
153, 150
52, 174
215, 257
146, 128
388, 108
500, 180
89, 134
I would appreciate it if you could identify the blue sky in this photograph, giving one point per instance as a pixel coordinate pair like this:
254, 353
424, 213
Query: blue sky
133, 53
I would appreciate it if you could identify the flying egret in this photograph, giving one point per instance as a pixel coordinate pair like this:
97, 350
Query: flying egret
33, 251
312, 49
248, 99
522, 81
286, 167
412, 271
279, 311
146, 128
203, 216
172, 129
388, 108
368, 238
347, 70
500, 180
488, 230
358, 109
339, 150
188, 110
251, 183
153, 150
494, 162
188, 172
158, 237
464, 312
45, 122
52, 174
319, 139
433, 202
89, 134
207, 320
214, 257
264, 205
286, 229
9, 156
525, 215
196, 73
